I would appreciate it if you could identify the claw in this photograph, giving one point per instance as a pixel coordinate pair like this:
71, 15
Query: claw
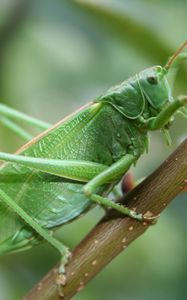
149, 218
61, 279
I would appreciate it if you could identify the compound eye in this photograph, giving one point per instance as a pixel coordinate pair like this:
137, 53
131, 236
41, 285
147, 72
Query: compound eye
152, 80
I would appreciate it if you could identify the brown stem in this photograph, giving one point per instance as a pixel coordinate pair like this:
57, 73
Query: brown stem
114, 233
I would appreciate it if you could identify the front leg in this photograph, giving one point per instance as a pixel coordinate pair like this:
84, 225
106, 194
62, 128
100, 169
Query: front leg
112, 173
165, 115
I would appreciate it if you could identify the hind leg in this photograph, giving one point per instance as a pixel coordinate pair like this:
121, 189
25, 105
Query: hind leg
43, 233
9, 117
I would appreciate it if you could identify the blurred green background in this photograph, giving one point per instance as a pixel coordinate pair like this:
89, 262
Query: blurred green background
56, 56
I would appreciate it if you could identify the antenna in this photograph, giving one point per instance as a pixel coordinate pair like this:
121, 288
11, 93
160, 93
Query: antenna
174, 56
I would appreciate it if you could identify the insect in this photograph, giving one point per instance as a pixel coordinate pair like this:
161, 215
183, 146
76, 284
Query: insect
59, 174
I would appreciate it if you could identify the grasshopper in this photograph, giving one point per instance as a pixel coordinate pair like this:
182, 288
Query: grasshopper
60, 173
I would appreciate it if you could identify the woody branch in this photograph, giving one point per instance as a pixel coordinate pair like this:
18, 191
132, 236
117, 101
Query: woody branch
115, 232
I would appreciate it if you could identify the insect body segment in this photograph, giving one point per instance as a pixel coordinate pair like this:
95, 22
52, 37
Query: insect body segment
58, 175
155, 87
146, 92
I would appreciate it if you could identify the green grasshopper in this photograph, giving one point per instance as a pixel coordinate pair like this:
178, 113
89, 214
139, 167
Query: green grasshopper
58, 175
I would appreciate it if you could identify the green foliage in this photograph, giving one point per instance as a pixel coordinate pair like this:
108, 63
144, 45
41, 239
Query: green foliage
57, 55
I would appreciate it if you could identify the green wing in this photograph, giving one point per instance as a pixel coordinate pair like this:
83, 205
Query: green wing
49, 199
